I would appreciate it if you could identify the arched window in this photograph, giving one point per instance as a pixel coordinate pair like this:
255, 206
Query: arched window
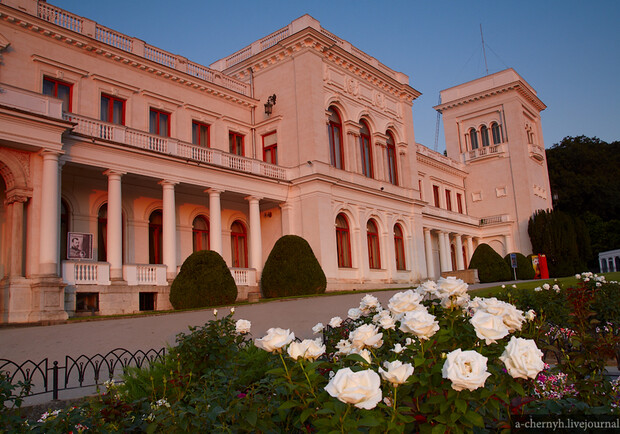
155, 238
372, 236
399, 247
102, 233
239, 245
391, 159
334, 132
484, 134
496, 132
366, 150
343, 242
200, 233
64, 228
473, 138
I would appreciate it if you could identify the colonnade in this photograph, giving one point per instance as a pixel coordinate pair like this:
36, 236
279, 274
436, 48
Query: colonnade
444, 239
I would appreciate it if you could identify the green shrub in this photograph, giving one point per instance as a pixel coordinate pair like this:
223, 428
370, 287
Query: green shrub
525, 270
491, 266
204, 280
548, 303
292, 269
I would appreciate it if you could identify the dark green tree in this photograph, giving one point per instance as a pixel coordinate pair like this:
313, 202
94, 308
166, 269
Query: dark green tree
491, 266
292, 269
525, 270
204, 280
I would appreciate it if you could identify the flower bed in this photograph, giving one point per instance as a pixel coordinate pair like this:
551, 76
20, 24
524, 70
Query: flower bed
431, 360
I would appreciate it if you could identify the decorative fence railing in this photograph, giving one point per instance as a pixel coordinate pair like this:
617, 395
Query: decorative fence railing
77, 372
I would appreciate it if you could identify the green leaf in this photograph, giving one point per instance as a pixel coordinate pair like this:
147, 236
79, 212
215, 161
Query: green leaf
474, 418
439, 429
461, 405
251, 418
305, 414
287, 405
369, 420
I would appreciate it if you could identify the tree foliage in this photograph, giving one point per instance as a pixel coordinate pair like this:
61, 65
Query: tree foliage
584, 173
490, 265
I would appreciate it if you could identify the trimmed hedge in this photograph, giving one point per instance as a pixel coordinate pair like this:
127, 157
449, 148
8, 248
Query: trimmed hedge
525, 270
292, 269
491, 266
204, 280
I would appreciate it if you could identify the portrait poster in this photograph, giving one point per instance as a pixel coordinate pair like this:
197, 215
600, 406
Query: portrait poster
79, 245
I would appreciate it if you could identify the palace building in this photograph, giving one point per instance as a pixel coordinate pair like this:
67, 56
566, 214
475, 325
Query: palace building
119, 159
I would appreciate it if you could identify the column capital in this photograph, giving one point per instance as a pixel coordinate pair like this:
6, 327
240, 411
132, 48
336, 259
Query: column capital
212, 191
18, 195
167, 182
251, 198
114, 172
50, 154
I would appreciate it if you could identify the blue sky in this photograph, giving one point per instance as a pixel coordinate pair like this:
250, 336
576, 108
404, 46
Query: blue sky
569, 50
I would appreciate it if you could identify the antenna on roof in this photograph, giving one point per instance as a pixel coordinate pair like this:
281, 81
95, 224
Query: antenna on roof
484, 51
437, 125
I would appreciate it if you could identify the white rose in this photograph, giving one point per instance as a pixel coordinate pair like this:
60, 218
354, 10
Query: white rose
318, 328
451, 286
397, 372
354, 313
335, 322
296, 350
362, 388
344, 346
398, 348
577, 276
546, 286
368, 303
243, 326
465, 369
488, 326
314, 348
556, 288
530, 315
232, 310
364, 353
275, 339
451, 301
402, 302
537, 289
522, 358
366, 336
384, 320
419, 322
428, 289
214, 312
512, 317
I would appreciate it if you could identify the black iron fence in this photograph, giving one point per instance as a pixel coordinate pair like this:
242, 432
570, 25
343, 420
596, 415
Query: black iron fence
77, 372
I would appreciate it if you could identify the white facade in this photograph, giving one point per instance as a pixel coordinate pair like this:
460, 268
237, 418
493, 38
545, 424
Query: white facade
153, 156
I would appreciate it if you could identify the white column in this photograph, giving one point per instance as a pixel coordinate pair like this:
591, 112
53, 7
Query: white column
470, 247
15, 210
115, 225
169, 230
428, 246
508, 244
215, 220
50, 215
444, 256
460, 264
287, 214
256, 248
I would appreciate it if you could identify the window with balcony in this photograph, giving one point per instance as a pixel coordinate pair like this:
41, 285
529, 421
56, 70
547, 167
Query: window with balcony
200, 134
343, 242
159, 123
473, 138
270, 148
112, 110
59, 89
334, 133
448, 200
372, 237
399, 247
200, 233
436, 195
239, 245
366, 150
496, 132
391, 159
235, 143
484, 135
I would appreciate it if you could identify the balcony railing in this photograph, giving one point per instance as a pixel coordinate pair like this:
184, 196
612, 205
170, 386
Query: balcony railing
536, 152
244, 276
482, 152
164, 145
494, 220
123, 42
86, 273
145, 274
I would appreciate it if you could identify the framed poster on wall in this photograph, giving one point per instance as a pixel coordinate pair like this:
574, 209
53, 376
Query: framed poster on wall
79, 245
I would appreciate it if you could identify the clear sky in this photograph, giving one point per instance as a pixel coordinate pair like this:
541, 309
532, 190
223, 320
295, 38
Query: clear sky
568, 50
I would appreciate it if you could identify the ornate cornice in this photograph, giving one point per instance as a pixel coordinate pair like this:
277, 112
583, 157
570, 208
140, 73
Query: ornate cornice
517, 86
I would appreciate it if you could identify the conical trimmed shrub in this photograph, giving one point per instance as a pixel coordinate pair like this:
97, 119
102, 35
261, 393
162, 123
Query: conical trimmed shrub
525, 270
292, 269
491, 266
204, 280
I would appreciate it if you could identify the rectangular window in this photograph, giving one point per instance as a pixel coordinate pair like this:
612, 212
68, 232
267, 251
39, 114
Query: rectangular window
448, 200
200, 134
58, 89
159, 123
270, 148
112, 110
436, 195
235, 142
459, 202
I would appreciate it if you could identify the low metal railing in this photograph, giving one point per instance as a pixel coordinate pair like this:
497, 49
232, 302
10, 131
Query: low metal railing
77, 372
